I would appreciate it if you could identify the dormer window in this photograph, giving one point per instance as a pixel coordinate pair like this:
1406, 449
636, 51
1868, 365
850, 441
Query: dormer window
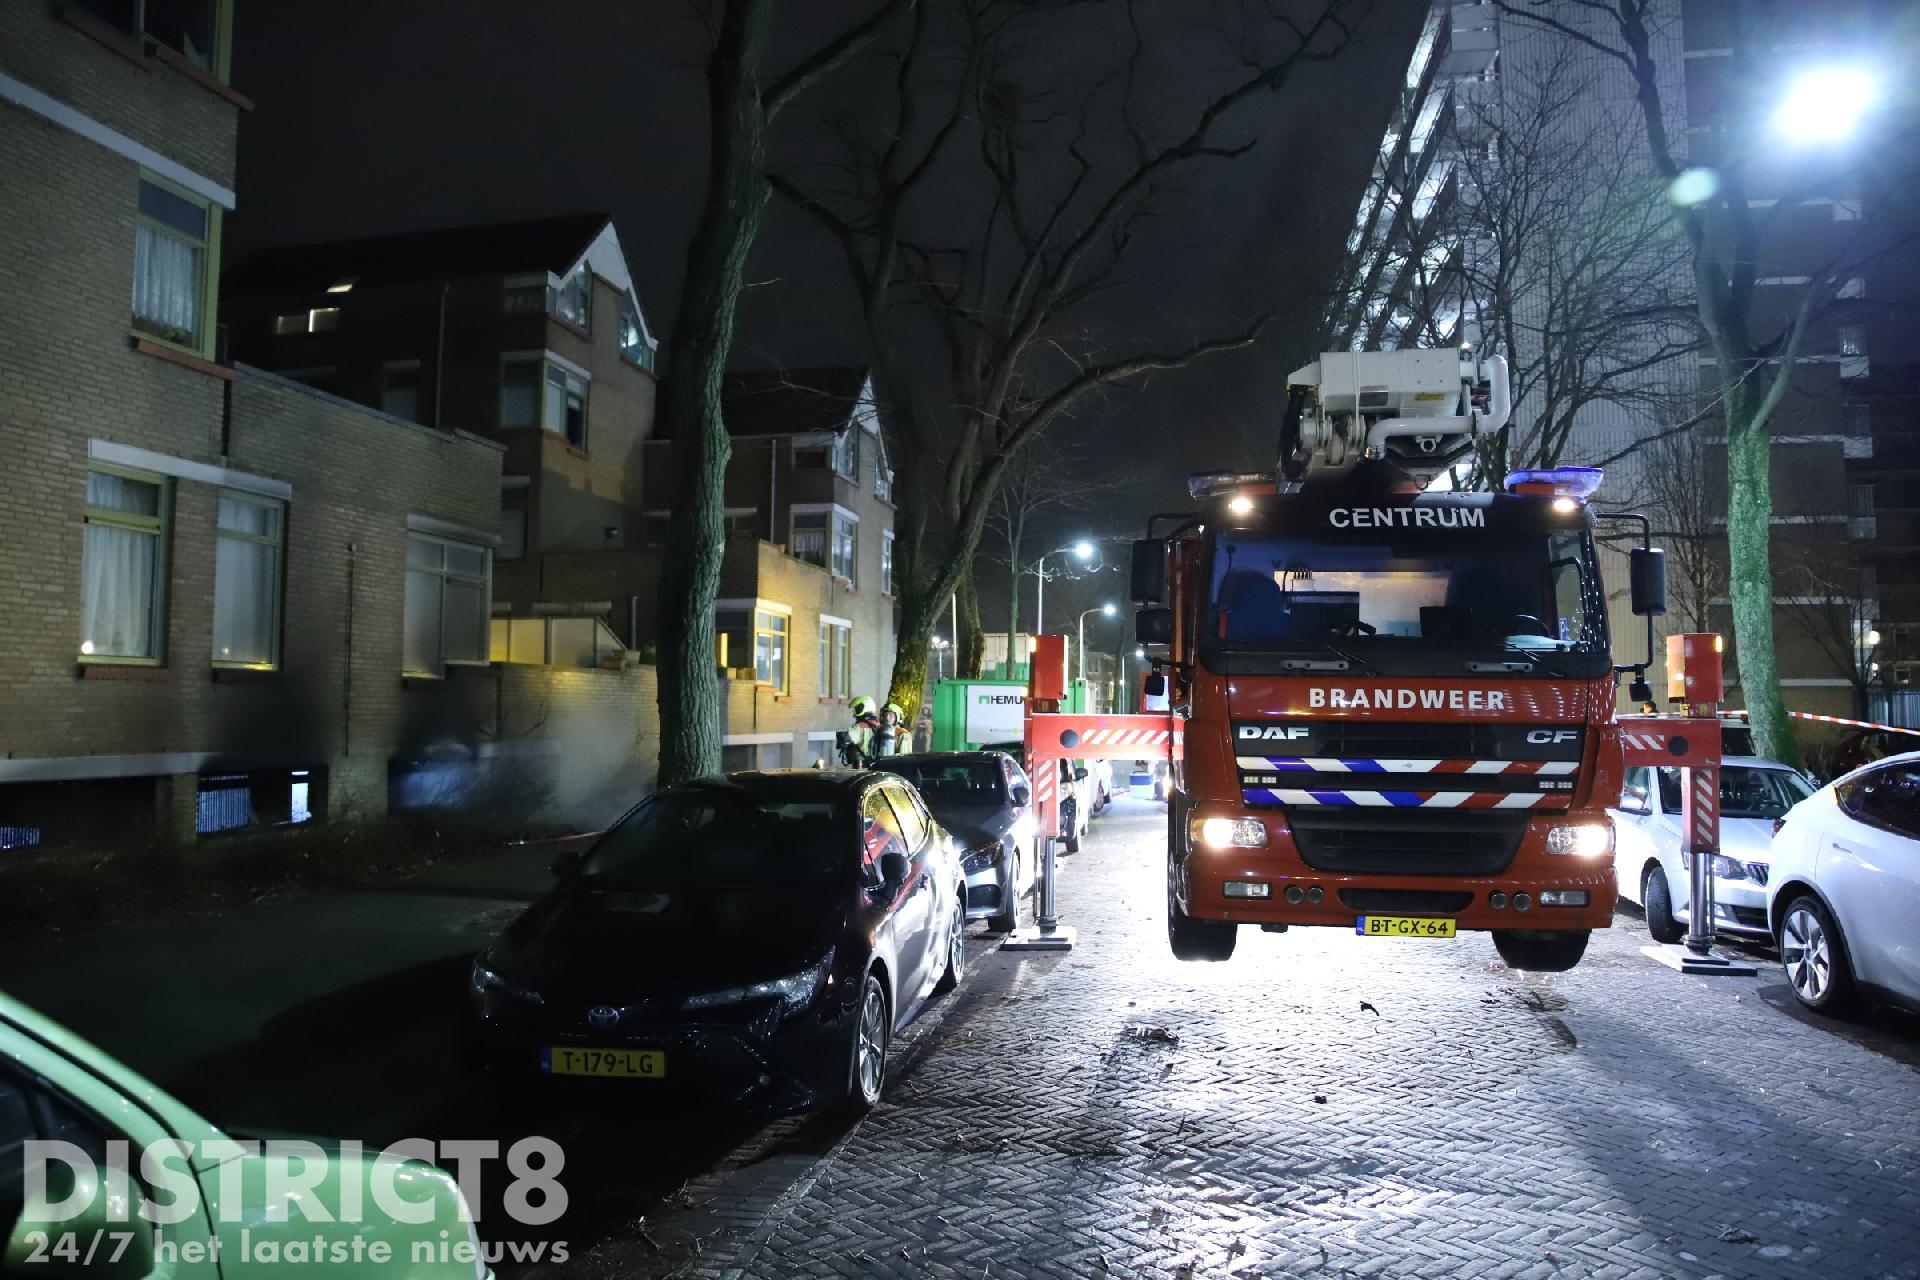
572, 299
846, 453
633, 336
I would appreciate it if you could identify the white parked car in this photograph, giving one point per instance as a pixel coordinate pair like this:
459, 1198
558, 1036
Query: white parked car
1654, 872
1845, 894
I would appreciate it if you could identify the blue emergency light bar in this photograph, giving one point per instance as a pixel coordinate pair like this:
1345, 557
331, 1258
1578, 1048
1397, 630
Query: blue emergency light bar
1578, 483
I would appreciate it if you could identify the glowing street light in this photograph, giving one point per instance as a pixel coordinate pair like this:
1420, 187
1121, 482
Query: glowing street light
1083, 549
1105, 610
1825, 104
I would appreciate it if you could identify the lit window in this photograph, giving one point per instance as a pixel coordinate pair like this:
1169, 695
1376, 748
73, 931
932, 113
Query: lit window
123, 567
633, 336
312, 320
770, 649
810, 537
836, 660
170, 264
845, 540
564, 407
825, 538
400, 389
246, 581
572, 299
446, 604
733, 639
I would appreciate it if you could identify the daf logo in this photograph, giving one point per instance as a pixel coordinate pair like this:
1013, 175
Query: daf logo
1273, 732
603, 1015
1545, 736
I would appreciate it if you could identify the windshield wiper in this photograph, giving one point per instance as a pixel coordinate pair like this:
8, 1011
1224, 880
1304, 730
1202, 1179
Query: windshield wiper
1353, 658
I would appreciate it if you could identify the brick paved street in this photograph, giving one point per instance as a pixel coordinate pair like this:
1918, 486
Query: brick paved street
1620, 1120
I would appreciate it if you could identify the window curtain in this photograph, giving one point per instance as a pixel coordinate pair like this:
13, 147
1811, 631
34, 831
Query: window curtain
116, 592
243, 595
166, 280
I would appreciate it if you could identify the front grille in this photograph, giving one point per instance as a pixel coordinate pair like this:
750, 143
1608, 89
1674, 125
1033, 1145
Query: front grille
1418, 900
1407, 843
1758, 870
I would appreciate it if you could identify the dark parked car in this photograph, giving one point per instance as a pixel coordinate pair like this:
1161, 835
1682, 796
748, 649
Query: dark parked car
762, 933
985, 800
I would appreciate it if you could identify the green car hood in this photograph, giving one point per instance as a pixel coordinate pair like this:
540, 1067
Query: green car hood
253, 1245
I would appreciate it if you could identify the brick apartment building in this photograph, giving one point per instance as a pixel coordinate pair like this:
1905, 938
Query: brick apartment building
233, 599
806, 609
530, 334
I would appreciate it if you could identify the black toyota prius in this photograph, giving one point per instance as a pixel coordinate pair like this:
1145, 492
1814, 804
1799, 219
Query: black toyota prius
758, 933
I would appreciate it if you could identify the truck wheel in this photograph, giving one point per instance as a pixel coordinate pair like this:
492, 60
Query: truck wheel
1541, 950
1204, 940
1658, 903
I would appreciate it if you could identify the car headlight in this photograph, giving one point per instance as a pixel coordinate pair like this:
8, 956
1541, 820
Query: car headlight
1718, 865
794, 993
1582, 840
985, 856
1229, 833
484, 980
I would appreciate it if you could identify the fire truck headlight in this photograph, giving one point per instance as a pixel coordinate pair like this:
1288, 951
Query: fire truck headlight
1230, 833
1583, 840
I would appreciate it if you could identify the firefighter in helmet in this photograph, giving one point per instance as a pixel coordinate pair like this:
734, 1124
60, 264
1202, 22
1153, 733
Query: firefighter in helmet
893, 727
857, 745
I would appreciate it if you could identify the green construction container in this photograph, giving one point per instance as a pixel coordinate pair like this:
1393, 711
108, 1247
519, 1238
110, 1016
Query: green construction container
969, 714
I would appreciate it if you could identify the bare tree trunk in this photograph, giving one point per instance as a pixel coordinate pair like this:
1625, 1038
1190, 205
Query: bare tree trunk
1750, 574
974, 655
689, 405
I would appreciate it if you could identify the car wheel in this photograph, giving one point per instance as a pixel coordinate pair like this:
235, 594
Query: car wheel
956, 948
867, 1056
1658, 904
1815, 957
1007, 919
1198, 940
1541, 951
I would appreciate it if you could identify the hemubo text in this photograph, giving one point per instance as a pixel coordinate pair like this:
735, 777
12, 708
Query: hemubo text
1364, 699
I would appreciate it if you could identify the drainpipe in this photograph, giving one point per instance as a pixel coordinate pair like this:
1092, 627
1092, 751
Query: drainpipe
773, 489
346, 684
440, 355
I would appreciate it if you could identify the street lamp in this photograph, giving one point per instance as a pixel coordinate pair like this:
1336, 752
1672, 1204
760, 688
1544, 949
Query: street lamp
1106, 610
940, 645
1825, 104
1081, 549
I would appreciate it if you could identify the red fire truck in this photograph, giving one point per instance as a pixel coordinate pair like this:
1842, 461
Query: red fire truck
1393, 706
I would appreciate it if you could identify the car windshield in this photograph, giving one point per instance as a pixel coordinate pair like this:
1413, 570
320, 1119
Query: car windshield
1356, 579
715, 835
952, 781
1745, 792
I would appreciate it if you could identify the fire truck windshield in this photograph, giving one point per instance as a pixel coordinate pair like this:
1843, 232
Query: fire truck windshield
1410, 596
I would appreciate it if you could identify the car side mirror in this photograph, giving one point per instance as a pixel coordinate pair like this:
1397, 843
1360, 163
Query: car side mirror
1153, 626
894, 869
1022, 795
567, 864
76, 1206
1647, 581
1080, 774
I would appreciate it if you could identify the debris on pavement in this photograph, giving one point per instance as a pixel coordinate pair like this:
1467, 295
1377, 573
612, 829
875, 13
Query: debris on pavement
1735, 1235
1367, 1008
1153, 1034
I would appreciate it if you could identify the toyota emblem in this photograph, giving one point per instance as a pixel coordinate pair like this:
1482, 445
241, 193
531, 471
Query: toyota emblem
603, 1015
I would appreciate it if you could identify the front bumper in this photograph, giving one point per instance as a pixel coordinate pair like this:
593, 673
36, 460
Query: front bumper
795, 1062
1739, 906
988, 887
1508, 897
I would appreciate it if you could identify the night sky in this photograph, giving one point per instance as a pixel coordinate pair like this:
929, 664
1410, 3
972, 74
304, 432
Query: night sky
377, 117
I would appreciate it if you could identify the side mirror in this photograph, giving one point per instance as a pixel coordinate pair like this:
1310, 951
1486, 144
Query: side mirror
567, 864
894, 869
1023, 795
1647, 581
1080, 774
78, 1207
1149, 576
1153, 626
